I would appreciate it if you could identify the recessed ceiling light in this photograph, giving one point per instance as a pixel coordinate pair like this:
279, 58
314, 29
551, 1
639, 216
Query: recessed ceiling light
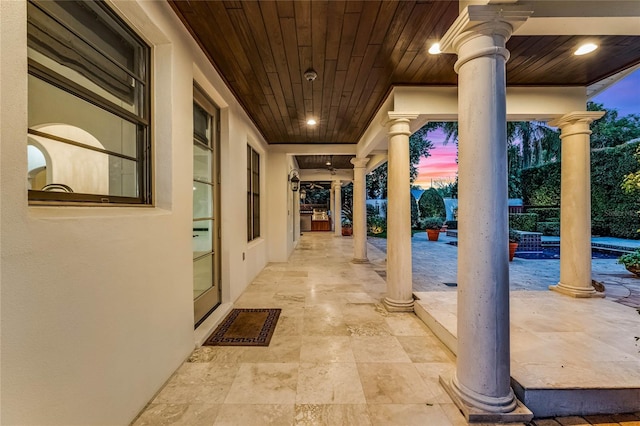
311, 122
435, 49
585, 48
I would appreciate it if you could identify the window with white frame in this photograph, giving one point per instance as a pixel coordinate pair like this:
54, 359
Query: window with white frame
89, 105
253, 194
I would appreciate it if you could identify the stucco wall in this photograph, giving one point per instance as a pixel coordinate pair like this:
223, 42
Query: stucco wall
96, 304
281, 211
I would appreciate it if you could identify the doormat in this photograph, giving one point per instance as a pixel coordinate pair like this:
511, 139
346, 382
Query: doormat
245, 327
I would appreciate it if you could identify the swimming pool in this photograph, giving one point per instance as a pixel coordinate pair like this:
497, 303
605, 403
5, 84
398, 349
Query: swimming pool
554, 253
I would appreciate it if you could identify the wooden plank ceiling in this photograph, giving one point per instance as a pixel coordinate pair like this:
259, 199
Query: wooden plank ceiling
360, 50
328, 162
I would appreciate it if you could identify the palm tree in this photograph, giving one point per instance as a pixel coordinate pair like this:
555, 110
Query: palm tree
540, 143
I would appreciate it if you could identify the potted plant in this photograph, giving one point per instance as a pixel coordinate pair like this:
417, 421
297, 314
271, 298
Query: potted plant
514, 239
631, 261
432, 225
347, 228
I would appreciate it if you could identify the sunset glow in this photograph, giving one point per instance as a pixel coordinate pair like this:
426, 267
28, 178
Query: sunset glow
441, 165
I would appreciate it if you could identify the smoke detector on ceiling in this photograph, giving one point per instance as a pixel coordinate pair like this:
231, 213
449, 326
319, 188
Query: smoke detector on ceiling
310, 74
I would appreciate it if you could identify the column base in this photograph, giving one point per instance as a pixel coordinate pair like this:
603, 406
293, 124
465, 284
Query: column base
359, 261
398, 305
518, 412
577, 292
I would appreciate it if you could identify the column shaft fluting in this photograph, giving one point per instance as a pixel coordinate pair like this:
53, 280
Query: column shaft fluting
359, 210
399, 276
482, 377
575, 205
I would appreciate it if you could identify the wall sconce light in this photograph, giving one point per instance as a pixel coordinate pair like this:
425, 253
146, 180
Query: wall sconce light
295, 180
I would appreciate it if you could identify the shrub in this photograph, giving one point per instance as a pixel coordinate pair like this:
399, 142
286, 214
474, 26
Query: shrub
514, 236
613, 211
376, 224
611, 206
549, 228
630, 259
431, 204
546, 214
523, 221
431, 223
541, 185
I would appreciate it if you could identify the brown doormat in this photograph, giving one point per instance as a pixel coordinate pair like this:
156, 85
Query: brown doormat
245, 327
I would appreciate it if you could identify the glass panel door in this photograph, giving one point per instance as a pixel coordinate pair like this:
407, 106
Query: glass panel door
205, 232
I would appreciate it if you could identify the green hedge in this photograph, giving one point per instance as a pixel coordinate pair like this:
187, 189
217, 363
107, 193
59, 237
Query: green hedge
523, 221
549, 228
546, 214
541, 185
613, 212
610, 205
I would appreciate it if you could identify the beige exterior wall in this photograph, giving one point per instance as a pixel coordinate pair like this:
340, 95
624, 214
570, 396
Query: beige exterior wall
96, 308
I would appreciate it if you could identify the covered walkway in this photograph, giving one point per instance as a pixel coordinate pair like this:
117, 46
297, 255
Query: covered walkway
338, 357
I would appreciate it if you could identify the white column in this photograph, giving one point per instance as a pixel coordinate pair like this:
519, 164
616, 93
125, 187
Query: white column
575, 205
332, 207
399, 277
337, 188
359, 210
481, 384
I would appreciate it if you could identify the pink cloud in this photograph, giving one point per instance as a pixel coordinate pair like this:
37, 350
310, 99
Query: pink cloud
441, 164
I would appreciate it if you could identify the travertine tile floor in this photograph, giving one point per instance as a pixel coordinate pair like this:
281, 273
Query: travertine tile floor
336, 358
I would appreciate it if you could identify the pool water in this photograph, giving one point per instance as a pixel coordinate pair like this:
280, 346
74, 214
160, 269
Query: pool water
554, 253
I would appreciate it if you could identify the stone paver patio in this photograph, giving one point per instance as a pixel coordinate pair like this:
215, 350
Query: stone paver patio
435, 263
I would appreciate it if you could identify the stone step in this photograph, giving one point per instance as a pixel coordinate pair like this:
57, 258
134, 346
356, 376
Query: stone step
568, 356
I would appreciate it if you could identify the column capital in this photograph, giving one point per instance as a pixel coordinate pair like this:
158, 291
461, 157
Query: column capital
576, 117
359, 162
398, 122
336, 184
493, 19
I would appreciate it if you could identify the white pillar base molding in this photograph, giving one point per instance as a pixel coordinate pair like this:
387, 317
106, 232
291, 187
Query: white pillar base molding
484, 409
398, 305
577, 292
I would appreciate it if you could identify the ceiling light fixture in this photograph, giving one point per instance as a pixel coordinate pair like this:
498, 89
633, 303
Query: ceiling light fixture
435, 49
310, 75
585, 48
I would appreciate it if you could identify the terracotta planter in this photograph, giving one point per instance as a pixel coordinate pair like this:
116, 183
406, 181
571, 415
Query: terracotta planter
634, 269
433, 234
512, 250
346, 232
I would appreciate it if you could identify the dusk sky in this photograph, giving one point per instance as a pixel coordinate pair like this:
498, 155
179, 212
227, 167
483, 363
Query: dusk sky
441, 165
